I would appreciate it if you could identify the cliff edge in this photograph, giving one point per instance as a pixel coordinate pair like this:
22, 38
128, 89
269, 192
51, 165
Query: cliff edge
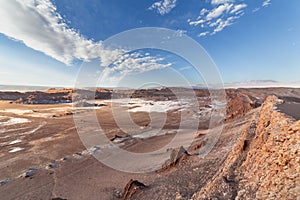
265, 162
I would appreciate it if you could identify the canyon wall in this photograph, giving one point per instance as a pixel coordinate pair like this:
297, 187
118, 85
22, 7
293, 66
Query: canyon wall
265, 162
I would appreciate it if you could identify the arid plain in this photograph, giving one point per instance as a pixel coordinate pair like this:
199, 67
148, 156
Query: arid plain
42, 155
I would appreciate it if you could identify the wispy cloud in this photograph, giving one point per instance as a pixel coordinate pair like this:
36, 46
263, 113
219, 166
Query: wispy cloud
223, 23
266, 3
218, 11
37, 24
238, 7
203, 34
127, 62
127, 65
256, 9
217, 2
163, 7
223, 14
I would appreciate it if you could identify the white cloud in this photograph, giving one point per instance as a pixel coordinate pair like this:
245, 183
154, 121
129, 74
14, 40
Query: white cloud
195, 23
37, 24
217, 2
204, 11
127, 63
203, 34
221, 24
133, 63
238, 7
215, 23
218, 11
222, 15
163, 7
255, 10
266, 3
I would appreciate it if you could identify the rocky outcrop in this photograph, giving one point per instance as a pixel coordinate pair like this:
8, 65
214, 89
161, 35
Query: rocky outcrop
239, 100
176, 156
239, 104
38, 97
54, 96
30, 172
131, 188
264, 164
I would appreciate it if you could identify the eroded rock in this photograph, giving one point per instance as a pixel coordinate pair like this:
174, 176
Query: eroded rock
53, 165
132, 187
30, 172
264, 163
176, 156
4, 181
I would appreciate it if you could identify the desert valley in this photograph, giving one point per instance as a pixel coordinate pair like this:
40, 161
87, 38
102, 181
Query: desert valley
149, 100
256, 156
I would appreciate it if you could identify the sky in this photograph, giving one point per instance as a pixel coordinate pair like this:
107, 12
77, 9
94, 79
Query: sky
49, 42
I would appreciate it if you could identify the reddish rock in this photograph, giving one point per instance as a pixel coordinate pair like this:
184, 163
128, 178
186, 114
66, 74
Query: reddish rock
131, 188
265, 163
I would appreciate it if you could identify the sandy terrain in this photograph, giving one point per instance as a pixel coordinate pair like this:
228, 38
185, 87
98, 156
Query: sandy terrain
34, 136
43, 157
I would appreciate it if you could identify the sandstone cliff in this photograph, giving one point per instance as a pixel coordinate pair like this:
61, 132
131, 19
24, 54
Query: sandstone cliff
264, 164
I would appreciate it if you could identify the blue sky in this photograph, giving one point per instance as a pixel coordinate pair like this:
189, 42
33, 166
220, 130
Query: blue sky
44, 42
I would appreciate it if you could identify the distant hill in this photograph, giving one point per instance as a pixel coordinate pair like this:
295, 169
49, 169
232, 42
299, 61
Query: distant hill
254, 84
261, 84
22, 88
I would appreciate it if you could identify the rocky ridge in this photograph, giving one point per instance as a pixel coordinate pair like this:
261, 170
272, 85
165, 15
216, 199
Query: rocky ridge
265, 162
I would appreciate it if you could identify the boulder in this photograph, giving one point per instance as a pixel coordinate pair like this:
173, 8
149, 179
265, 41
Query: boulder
3, 182
30, 172
53, 165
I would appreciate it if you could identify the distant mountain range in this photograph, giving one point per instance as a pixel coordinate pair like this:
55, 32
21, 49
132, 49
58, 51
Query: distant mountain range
233, 85
254, 84
22, 88
261, 84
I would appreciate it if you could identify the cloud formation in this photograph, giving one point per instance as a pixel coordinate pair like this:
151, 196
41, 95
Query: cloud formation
203, 34
163, 7
223, 14
217, 2
126, 65
218, 11
213, 19
37, 24
266, 3
238, 8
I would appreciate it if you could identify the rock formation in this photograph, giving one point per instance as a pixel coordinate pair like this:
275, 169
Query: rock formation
176, 156
265, 163
132, 187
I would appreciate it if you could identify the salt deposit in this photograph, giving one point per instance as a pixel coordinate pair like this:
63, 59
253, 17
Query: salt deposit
140, 105
15, 142
16, 149
6, 121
